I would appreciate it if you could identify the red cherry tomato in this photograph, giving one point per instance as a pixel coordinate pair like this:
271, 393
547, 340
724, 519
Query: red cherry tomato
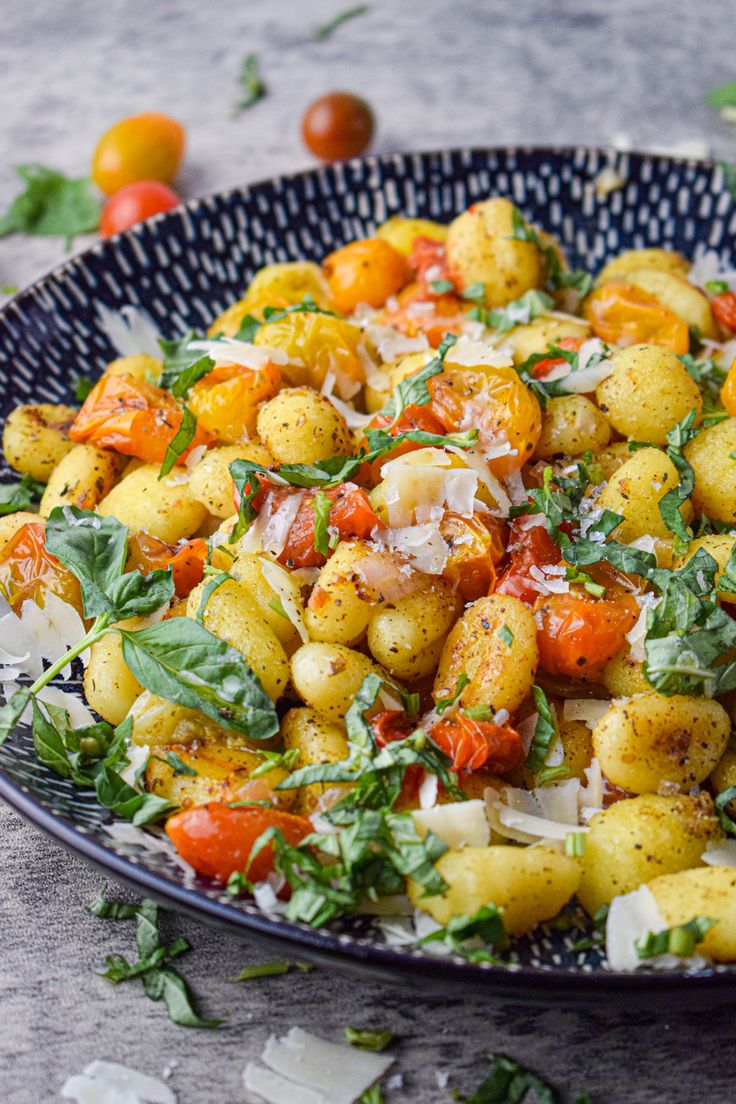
578, 634
337, 125
134, 203
217, 839
475, 745
543, 367
724, 309
412, 417
186, 560
391, 725
530, 546
351, 514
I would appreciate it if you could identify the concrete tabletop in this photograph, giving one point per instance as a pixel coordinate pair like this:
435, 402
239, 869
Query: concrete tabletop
574, 71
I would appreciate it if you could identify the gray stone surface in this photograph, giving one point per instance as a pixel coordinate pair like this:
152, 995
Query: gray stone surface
437, 73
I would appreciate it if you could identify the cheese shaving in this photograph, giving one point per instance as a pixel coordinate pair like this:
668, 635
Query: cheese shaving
129, 330
112, 1083
548, 812
475, 460
423, 545
722, 853
228, 350
419, 488
630, 917
589, 710
471, 354
278, 579
458, 823
40, 634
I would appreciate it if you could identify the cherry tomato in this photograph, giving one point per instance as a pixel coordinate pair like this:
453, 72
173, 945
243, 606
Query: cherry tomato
134, 203
530, 547
543, 367
317, 344
420, 310
351, 514
391, 725
337, 125
474, 550
728, 391
28, 571
724, 309
141, 147
428, 258
497, 402
217, 839
225, 401
412, 417
476, 745
366, 271
578, 634
186, 559
131, 417
622, 314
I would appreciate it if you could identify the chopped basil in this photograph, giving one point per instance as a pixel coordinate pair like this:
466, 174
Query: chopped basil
9, 289
506, 636
51, 205
412, 391
82, 387
463, 934
576, 576
476, 293
722, 800
556, 276
478, 712
716, 287
729, 177
180, 442
545, 732
509, 1083
326, 29
531, 305
575, 844
24, 495
670, 504
263, 969
681, 940
276, 760
278, 607
322, 505
364, 1039
548, 776
178, 765
441, 287
105, 909
443, 704
213, 583
252, 87
373, 1095
723, 96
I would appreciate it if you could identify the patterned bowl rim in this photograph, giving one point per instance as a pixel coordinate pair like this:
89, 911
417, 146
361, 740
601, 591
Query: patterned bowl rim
540, 984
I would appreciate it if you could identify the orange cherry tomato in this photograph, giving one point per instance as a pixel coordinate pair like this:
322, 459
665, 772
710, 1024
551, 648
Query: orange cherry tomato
724, 309
141, 147
367, 271
728, 391
217, 839
497, 402
476, 745
351, 514
578, 634
28, 571
622, 314
134, 203
337, 125
419, 310
391, 725
412, 417
132, 417
530, 547
428, 259
225, 401
186, 559
470, 564
543, 367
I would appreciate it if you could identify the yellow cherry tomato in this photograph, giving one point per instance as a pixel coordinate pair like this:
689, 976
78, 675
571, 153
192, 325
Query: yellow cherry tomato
141, 147
622, 314
317, 344
728, 391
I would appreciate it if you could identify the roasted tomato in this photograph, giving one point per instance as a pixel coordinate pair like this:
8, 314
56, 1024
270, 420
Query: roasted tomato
475, 549
412, 417
495, 401
217, 839
724, 309
28, 572
622, 314
186, 559
420, 310
368, 272
579, 634
351, 514
530, 547
317, 344
225, 401
131, 417
543, 367
428, 259
728, 391
478, 745
391, 725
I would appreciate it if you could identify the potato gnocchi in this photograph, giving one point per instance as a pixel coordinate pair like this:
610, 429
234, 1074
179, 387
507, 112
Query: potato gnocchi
414, 575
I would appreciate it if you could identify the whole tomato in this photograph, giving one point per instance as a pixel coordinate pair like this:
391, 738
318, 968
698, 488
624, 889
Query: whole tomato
133, 204
141, 147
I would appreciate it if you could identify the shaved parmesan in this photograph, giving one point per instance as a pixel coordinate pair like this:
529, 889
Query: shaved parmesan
126, 834
79, 714
353, 418
129, 330
228, 350
458, 824
138, 755
590, 796
304, 1068
267, 900
607, 181
587, 379
589, 710
40, 634
112, 1083
722, 853
270, 530
548, 812
428, 792
391, 344
630, 917
423, 545
421, 488
475, 460
470, 354
278, 579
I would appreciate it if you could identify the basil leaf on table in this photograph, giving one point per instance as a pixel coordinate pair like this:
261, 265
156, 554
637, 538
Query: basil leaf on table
51, 205
182, 661
94, 548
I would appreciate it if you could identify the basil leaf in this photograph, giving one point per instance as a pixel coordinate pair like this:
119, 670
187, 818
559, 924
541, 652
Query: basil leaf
178, 765
522, 311
412, 391
106, 909
116, 795
680, 940
208, 590
48, 743
83, 387
545, 732
322, 505
362, 1039
24, 495
51, 205
380, 441
253, 88
181, 441
485, 925
94, 548
329, 28
137, 595
443, 704
184, 663
11, 712
509, 1083
188, 376
671, 503
178, 356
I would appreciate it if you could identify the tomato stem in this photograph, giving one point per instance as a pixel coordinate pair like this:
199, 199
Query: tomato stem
98, 630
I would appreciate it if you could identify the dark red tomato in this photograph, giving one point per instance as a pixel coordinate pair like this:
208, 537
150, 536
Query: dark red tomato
579, 634
389, 726
186, 560
724, 309
478, 745
337, 125
217, 839
544, 367
28, 571
134, 203
351, 514
530, 546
